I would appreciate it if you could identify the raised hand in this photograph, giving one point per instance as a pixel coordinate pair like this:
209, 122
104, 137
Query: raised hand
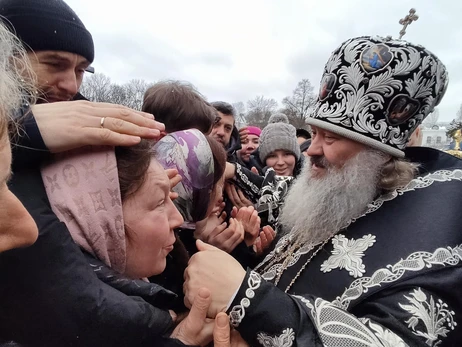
248, 216
267, 236
243, 133
174, 178
214, 269
73, 124
226, 237
236, 196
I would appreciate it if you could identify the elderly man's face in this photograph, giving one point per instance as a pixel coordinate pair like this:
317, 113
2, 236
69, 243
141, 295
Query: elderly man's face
328, 149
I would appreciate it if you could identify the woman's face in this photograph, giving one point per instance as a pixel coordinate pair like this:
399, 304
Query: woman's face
283, 162
150, 218
17, 228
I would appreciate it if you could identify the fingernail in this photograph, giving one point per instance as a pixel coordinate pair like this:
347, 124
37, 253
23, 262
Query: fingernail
222, 320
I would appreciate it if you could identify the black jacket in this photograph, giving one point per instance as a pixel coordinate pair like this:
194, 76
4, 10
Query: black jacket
50, 295
233, 146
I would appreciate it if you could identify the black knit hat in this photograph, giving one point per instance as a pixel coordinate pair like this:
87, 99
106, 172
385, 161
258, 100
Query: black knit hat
378, 90
48, 25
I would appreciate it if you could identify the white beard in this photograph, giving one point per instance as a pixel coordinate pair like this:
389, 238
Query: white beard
317, 208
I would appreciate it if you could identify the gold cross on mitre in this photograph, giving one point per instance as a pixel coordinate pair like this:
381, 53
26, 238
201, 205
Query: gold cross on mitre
411, 17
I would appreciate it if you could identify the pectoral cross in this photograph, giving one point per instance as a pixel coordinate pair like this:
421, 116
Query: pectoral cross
411, 17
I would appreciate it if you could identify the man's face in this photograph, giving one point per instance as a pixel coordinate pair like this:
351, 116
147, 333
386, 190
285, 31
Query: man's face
330, 149
249, 145
223, 128
59, 74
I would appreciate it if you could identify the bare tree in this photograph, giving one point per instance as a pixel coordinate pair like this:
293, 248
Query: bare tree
432, 119
239, 107
260, 110
96, 88
135, 90
300, 104
118, 94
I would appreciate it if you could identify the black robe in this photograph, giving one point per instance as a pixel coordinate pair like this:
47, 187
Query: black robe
391, 278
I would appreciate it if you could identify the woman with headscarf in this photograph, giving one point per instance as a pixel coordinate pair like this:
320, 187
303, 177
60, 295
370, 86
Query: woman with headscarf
201, 161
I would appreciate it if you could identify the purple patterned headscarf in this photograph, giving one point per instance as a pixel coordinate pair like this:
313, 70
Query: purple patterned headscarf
189, 152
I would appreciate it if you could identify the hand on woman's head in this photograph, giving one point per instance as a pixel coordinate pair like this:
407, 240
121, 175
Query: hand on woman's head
174, 178
73, 124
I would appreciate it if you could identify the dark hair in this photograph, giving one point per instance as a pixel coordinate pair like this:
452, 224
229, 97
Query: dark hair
224, 107
179, 106
133, 164
219, 159
303, 133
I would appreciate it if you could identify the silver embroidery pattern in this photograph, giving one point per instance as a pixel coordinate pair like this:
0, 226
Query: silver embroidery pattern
246, 180
339, 328
436, 317
237, 313
347, 254
286, 339
417, 183
386, 336
356, 102
417, 261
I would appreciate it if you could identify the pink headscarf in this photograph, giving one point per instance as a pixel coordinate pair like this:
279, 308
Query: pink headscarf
83, 188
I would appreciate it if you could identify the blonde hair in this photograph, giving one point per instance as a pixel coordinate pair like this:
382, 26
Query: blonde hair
396, 173
17, 80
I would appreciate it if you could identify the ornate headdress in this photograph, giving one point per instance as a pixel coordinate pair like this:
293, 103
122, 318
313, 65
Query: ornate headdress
377, 91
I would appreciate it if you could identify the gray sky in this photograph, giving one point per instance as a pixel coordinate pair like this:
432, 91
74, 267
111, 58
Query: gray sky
236, 50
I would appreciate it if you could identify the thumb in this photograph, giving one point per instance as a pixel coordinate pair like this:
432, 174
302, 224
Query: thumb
202, 246
221, 331
198, 311
254, 170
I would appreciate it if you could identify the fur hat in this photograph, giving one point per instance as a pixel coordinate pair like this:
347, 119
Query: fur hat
278, 135
378, 90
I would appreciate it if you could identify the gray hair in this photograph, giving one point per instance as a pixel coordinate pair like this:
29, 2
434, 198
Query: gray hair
16, 77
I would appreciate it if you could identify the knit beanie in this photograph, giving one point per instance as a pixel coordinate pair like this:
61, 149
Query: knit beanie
251, 130
278, 135
47, 25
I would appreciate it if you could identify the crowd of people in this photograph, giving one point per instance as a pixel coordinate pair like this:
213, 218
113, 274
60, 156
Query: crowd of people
169, 226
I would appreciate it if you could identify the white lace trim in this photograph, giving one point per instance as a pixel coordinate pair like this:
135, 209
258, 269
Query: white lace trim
339, 328
286, 339
237, 313
391, 273
417, 183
